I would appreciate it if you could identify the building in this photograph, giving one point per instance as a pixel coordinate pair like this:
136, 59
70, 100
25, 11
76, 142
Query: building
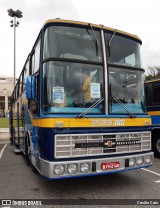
6, 89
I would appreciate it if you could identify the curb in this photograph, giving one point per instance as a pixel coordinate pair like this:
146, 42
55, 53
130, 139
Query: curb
4, 130
4, 135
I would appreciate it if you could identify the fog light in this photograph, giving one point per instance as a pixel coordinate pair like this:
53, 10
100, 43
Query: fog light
148, 159
59, 169
72, 168
84, 167
131, 162
139, 160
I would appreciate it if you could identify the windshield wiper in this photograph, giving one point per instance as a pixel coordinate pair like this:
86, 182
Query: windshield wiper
109, 42
125, 108
90, 108
94, 39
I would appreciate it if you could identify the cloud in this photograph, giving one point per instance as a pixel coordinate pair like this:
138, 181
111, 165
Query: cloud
137, 17
35, 13
39, 10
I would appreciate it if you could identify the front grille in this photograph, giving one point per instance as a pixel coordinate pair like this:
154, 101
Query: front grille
80, 145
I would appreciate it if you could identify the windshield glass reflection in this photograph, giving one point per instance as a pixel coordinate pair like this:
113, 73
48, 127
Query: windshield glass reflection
71, 87
123, 51
126, 86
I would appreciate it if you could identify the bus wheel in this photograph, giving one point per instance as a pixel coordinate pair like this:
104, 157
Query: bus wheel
156, 146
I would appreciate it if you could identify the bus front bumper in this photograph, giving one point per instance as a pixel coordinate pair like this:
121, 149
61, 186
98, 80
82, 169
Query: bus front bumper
78, 168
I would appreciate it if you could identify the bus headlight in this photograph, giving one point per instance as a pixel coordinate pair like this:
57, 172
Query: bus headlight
72, 168
148, 159
84, 167
131, 162
59, 169
139, 160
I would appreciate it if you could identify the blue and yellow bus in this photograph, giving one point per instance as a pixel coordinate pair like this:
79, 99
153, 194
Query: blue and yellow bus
152, 91
78, 107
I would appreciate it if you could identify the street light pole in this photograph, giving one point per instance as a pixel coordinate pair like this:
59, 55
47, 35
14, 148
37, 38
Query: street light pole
14, 24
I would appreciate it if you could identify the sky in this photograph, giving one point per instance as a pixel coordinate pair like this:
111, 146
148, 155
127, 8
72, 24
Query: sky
138, 17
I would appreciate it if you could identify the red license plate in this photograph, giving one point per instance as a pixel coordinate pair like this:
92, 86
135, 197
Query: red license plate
110, 165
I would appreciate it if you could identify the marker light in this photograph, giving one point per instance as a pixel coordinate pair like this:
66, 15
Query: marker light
131, 162
84, 167
72, 168
148, 159
59, 169
139, 160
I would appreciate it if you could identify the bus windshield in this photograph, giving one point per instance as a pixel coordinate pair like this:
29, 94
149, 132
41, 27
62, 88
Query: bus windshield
72, 43
123, 51
71, 87
73, 71
126, 85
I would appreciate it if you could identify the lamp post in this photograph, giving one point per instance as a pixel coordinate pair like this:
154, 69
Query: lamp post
14, 24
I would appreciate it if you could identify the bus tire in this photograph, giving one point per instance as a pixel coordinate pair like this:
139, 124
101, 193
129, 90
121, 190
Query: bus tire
34, 169
156, 146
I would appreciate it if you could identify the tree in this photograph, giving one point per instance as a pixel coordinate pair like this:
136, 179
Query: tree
153, 72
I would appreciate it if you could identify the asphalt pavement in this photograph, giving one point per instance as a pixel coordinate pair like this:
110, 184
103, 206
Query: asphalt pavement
17, 181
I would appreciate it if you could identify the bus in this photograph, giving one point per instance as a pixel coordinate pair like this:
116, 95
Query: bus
78, 107
152, 91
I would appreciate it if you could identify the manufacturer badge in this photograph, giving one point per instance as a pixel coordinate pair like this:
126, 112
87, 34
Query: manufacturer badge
108, 143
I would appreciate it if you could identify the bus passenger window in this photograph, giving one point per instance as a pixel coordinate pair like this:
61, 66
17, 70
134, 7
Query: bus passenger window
156, 93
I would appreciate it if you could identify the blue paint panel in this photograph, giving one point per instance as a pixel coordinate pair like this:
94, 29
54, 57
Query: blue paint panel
156, 119
46, 144
34, 136
46, 140
35, 143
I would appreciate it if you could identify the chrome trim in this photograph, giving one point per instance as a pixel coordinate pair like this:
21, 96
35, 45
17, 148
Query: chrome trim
47, 168
105, 72
64, 144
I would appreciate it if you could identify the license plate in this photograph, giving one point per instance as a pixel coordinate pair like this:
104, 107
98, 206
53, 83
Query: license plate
110, 165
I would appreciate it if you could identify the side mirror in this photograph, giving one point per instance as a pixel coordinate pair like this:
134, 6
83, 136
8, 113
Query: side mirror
31, 87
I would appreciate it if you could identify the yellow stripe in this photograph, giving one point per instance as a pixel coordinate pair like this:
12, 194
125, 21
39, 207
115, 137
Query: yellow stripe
93, 25
154, 113
90, 122
152, 81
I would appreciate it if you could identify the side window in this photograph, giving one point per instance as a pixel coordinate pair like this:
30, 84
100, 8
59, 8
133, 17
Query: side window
20, 85
35, 59
16, 90
26, 73
156, 93
22, 80
147, 94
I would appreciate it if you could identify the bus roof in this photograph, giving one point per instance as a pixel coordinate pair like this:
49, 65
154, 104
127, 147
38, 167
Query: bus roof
152, 81
93, 25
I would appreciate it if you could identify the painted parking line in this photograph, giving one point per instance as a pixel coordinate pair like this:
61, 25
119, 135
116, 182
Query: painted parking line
6, 207
158, 174
1, 153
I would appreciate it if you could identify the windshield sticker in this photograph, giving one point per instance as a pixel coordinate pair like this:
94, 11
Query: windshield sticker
58, 94
95, 90
73, 34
